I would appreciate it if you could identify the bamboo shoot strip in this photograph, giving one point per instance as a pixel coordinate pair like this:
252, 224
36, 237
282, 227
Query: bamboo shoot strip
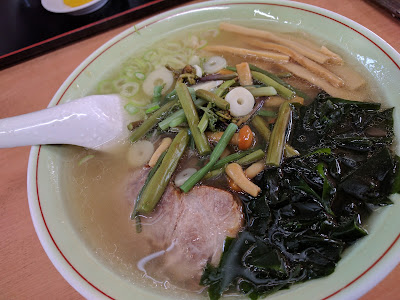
334, 58
164, 145
309, 64
151, 121
158, 183
278, 135
244, 74
192, 117
213, 98
302, 72
306, 51
215, 155
281, 90
247, 52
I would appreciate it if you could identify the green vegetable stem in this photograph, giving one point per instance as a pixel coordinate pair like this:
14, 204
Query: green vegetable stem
203, 124
158, 183
223, 87
263, 130
251, 157
192, 117
151, 121
241, 158
178, 115
281, 90
263, 91
277, 140
232, 157
213, 98
215, 155
279, 80
135, 215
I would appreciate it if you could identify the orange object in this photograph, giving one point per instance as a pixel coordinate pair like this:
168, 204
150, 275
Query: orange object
75, 3
233, 186
236, 173
250, 173
225, 72
246, 137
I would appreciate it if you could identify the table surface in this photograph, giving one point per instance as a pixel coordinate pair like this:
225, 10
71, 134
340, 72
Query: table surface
27, 273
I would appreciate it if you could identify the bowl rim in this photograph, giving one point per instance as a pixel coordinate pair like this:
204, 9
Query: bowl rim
382, 266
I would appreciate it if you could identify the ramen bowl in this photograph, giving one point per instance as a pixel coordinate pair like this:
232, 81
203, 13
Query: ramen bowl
363, 265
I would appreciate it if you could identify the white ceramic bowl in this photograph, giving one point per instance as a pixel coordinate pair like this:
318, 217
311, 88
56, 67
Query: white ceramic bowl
362, 266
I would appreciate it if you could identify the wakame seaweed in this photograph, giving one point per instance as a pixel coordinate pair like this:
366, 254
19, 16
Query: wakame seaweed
337, 123
312, 206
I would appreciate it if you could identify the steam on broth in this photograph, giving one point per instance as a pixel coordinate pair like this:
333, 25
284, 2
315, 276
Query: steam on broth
278, 186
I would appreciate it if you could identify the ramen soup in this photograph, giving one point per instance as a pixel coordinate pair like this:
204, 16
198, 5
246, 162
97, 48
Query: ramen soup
253, 161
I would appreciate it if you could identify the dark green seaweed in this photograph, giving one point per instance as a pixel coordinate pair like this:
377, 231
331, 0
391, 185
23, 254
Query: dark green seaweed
337, 123
312, 206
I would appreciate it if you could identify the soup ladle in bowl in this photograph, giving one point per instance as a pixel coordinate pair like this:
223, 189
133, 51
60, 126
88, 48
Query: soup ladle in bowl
95, 122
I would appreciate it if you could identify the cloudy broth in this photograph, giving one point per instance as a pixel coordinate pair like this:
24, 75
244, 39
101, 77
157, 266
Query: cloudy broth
100, 202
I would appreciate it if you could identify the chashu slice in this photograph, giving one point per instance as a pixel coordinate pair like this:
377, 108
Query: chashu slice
187, 231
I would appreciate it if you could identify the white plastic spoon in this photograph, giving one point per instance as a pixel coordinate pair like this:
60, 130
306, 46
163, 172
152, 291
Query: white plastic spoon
95, 122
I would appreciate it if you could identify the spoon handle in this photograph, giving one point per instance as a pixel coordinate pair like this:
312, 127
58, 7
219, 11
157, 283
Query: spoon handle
86, 122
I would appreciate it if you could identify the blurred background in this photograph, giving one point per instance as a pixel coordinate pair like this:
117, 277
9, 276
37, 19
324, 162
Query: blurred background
27, 29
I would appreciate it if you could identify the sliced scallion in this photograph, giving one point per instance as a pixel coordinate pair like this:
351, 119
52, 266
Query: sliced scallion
151, 121
85, 159
105, 87
157, 93
140, 75
178, 115
177, 121
129, 89
150, 55
131, 108
152, 108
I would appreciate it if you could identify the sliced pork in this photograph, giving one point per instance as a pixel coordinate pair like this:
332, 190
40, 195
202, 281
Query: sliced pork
187, 231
